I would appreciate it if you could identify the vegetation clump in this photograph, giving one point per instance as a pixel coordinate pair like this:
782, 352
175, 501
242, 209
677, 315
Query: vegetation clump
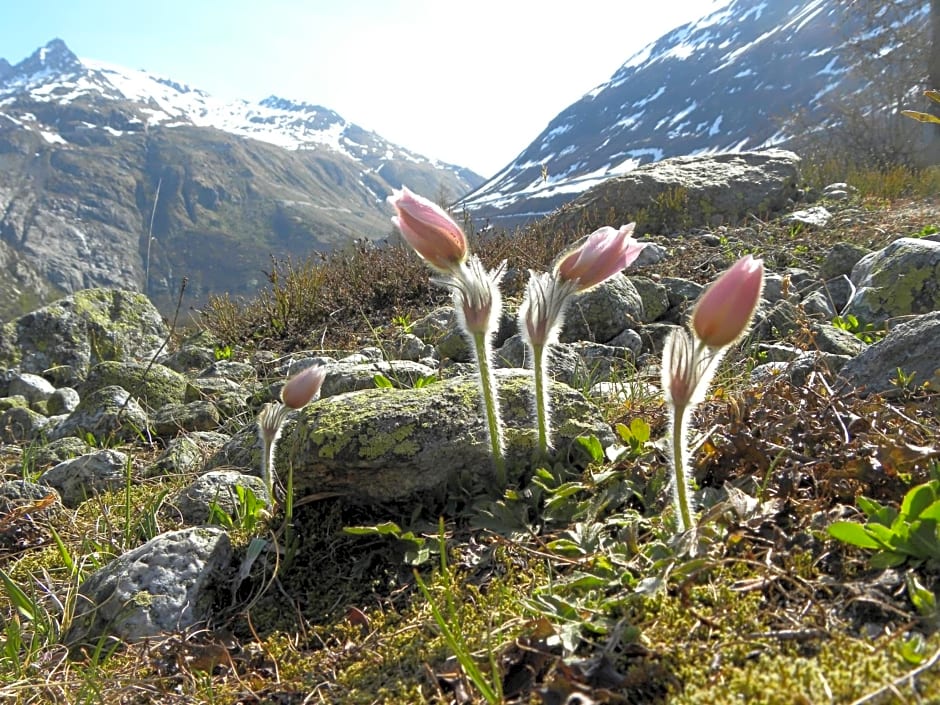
582, 580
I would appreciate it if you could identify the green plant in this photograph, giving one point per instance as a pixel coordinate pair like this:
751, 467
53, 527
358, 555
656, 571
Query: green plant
866, 332
636, 436
927, 230
249, 511
222, 352
910, 534
403, 322
450, 630
415, 549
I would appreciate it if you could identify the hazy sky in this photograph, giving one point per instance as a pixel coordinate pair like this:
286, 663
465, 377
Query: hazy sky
468, 82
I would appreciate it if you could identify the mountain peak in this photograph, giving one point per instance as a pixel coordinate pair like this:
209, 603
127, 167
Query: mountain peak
278, 103
54, 58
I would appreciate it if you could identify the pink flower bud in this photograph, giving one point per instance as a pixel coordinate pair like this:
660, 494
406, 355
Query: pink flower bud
603, 254
723, 313
303, 386
429, 230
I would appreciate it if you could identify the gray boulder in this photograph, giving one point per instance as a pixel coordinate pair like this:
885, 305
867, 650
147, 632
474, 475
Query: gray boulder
153, 385
80, 478
66, 337
218, 487
33, 387
109, 413
685, 192
348, 378
912, 346
165, 585
603, 313
899, 280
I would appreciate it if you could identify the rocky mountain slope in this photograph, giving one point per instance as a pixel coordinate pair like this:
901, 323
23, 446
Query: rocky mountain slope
94, 158
729, 81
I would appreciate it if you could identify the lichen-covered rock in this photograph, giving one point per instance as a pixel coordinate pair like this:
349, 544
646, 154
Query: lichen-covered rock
68, 336
63, 400
911, 346
80, 478
153, 385
186, 453
172, 419
899, 280
216, 487
165, 585
655, 296
21, 424
107, 413
389, 444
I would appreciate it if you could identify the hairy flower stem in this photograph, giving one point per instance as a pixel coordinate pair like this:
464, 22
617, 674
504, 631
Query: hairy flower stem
482, 346
680, 485
539, 363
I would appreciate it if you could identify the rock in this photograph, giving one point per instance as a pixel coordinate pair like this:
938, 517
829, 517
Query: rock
386, 444
63, 400
347, 378
32, 387
901, 279
107, 413
910, 346
152, 384
218, 486
563, 360
80, 478
68, 336
20, 424
840, 260
173, 419
815, 216
686, 192
165, 585
603, 312
185, 454
655, 297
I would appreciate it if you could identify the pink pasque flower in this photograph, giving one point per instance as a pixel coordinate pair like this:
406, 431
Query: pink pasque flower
300, 389
603, 254
724, 311
433, 234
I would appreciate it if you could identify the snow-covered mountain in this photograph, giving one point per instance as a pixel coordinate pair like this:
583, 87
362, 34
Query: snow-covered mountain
729, 81
116, 177
54, 74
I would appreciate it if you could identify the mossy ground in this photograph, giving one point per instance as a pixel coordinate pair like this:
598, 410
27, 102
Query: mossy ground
573, 586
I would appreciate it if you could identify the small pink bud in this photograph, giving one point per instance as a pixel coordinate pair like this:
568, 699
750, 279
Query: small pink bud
429, 230
724, 311
603, 254
303, 386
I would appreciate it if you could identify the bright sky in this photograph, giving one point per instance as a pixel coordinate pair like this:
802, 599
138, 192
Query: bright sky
471, 82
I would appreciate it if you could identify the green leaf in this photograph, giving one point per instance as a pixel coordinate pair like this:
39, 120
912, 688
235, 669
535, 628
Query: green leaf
888, 559
592, 446
913, 649
388, 528
25, 605
640, 429
852, 533
381, 381
917, 500
877, 512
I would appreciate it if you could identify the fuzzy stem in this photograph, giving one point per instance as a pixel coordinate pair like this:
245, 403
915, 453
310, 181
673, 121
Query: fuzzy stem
481, 344
679, 456
541, 398
267, 462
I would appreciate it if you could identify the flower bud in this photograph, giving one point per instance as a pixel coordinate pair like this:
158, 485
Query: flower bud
303, 387
724, 311
429, 230
603, 254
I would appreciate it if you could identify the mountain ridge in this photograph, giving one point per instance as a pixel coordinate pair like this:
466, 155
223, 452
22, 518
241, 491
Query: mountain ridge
726, 82
93, 156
